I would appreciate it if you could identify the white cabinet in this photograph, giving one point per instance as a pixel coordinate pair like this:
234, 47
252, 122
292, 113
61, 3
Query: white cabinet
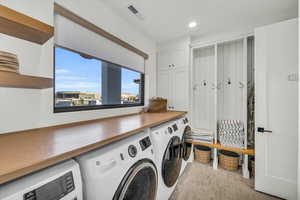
163, 83
173, 78
172, 59
179, 98
173, 85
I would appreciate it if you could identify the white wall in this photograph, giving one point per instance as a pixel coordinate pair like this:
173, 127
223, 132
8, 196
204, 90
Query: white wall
27, 108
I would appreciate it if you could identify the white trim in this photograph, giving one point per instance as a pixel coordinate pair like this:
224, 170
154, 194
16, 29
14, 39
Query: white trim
225, 39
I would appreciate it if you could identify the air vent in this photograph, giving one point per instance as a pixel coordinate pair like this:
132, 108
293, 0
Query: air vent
135, 12
132, 9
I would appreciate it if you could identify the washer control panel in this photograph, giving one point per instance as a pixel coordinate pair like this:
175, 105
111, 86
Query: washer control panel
185, 120
145, 143
175, 127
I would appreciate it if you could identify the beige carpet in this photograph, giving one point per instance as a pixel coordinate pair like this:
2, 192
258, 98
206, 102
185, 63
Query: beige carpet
202, 182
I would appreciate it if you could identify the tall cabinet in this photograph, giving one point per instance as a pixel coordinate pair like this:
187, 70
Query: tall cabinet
173, 78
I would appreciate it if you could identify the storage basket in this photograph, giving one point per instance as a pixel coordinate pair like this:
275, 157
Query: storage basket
157, 105
202, 154
229, 160
253, 168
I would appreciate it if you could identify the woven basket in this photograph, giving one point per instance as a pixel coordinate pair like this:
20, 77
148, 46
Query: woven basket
157, 105
229, 160
202, 154
253, 168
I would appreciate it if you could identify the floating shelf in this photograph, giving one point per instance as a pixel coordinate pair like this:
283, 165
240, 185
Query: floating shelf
219, 146
15, 80
24, 27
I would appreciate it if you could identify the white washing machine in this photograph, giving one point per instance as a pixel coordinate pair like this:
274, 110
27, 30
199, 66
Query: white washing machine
167, 146
122, 170
62, 181
187, 148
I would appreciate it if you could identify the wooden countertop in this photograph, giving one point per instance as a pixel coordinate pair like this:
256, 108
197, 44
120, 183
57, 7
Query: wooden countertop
24, 152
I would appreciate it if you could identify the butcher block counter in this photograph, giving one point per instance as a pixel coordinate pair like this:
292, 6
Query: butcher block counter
24, 152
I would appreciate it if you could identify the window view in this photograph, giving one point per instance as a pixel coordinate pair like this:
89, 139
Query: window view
84, 82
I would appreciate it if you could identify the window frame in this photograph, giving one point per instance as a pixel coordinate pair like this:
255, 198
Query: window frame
94, 107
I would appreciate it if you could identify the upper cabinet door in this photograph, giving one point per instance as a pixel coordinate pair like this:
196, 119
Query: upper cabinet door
163, 60
179, 58
180, 95
164, 85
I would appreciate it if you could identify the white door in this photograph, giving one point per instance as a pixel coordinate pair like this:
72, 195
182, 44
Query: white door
180, 93
163, 85
276, 98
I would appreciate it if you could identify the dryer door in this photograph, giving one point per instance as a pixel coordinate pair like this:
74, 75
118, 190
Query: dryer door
171, 163
187, 147
139, 183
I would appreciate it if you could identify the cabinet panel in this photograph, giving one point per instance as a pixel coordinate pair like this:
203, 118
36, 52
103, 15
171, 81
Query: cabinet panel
231, 80
179, 58
163, 84
180, 89
163, 60
203, 113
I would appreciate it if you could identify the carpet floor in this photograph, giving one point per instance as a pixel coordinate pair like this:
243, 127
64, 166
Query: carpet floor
202, 182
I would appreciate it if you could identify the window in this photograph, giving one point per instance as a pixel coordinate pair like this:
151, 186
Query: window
83, 82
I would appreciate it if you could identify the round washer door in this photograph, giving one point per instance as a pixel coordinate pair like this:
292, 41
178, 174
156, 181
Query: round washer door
171, 163
139, 183
187, 147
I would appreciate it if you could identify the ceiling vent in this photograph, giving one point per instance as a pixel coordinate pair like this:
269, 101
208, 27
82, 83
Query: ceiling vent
135, 12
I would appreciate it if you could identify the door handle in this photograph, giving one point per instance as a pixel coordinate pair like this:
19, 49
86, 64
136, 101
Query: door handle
262, 130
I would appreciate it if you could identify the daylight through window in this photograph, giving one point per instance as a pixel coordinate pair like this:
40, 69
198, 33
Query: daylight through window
83, 82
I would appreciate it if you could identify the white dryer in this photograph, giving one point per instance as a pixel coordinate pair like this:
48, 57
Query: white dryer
167, 154
122, 170
62, 181
187, 148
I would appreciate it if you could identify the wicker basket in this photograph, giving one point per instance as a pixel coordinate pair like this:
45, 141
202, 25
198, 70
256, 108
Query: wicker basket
157, 105
229, 160
202, 154
253, 168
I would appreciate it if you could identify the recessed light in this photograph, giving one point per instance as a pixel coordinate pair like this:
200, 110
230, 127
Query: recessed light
192, 24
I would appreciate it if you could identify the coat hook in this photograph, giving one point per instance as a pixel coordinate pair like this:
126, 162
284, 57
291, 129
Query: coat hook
241, 85
228, 81
204, 82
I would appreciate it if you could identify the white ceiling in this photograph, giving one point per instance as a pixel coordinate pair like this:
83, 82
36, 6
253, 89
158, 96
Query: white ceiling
168, 19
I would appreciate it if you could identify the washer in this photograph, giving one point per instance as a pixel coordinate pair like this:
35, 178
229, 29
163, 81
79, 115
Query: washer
62, 181
118, 170
188, 155
167, 146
